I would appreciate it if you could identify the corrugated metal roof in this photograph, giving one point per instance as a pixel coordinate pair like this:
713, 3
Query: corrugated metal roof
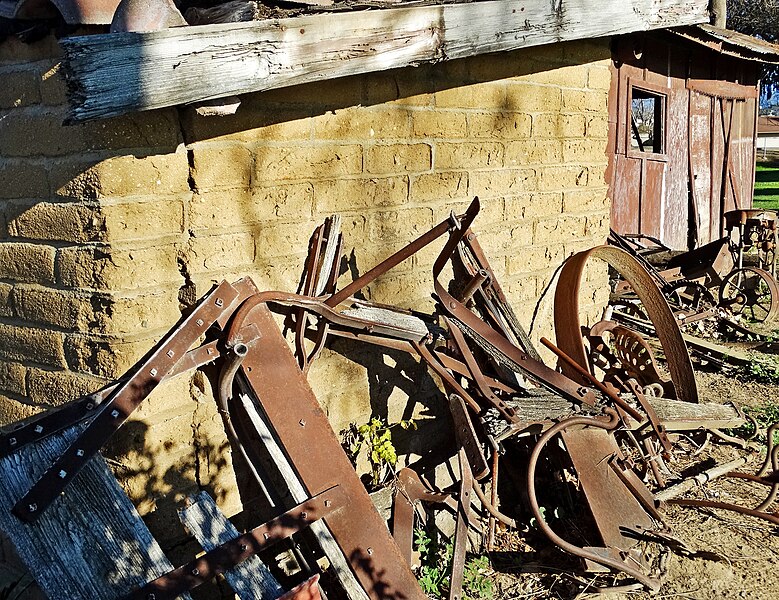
731, 43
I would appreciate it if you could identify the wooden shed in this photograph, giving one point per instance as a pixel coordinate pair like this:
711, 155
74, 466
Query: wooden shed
683, 109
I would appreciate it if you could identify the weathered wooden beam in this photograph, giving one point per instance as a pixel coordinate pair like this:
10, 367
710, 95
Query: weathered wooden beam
117, 73
91, 543
250, 579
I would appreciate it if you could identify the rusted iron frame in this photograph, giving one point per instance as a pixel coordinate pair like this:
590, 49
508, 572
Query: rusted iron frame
523, 361
226, 556
272, 372
409, 491
125, 398
568, 324
770, 517
609, 422
475, 374
461, 529
53, 421
495, 302
466, 437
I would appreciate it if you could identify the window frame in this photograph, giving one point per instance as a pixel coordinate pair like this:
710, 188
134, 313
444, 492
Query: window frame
655, 90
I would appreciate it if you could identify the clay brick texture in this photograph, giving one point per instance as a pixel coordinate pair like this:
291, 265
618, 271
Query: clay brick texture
108, 229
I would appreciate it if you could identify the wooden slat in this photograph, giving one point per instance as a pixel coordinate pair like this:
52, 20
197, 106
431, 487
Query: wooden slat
90, 544
250, 579
116, 73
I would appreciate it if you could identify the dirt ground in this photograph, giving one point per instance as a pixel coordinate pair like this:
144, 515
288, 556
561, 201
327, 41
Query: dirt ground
725, 555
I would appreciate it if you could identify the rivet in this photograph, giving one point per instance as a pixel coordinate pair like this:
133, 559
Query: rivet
370, 551
151, 597
304, 515
328, 503
90, 406
153, 372
195, 572
199, 322
38, 429
79, 452
302, 422
452, 305
266, 535
114, 413
12, 442
63, 474
244, 547
210, 351
32, 507
219, 302
171, 353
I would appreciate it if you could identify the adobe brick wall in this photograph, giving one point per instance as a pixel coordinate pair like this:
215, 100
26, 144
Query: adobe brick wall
105, 228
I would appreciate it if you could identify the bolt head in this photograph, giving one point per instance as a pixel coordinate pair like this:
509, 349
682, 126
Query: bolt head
38, 429
195, 572
370, 551
32, 508
302, 422
12, 442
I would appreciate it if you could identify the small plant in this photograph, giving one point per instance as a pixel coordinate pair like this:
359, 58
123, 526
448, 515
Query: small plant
764, 371
765, 415
376, 436
436, 570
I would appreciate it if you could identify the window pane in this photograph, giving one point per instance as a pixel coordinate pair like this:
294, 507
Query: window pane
647, 115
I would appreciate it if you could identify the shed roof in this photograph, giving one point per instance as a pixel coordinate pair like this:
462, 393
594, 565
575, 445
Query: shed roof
767, 125
730, 43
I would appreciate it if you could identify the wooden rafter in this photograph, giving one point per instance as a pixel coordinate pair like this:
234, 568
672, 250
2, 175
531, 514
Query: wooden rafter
117, 73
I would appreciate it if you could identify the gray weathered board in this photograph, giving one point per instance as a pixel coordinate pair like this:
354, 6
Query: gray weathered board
90, 544
113, 74
250, 579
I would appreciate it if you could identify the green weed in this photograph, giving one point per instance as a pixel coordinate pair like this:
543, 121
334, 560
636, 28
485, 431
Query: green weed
436, 570
376, 436
765, 415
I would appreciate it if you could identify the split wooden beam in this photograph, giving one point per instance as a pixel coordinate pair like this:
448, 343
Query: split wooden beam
117, 73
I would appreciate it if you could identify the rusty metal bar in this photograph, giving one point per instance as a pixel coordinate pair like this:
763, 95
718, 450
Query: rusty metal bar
224, 557
123, 401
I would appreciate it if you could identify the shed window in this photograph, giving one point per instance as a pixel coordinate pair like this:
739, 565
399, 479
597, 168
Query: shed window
647, 121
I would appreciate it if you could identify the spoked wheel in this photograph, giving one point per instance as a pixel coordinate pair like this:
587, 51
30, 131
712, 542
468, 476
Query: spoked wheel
691, 297
752, 293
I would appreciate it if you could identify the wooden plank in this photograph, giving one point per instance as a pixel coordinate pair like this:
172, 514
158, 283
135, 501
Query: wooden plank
116, 73
625, 202
699, 148
652, 192
340, 565
250, 579
90, 544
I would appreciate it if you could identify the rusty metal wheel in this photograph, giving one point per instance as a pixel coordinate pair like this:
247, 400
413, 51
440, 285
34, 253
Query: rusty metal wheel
752, 293
691, 296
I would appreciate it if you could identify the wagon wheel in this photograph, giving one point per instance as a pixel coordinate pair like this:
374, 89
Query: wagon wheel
750, 292
691, 296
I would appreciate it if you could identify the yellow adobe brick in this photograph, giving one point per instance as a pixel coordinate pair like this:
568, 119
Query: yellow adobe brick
306, 162
363, 123
150, 311
485, 96
283, 201
584, 151
13, 378
506, 239
526, 97
65, 309
433, 187
401, 87
336, 195
573, 76
284, 239
148, 219
439, 124
587, 50
585, 100
29, 263
115, 269
254, 121
398, 158
536, 258
533, 152
20, 88
560, 229
587, 200
122, 176
523, 289
6, 300
597, 226
400, 224
563, 177
598, 126
468, 155
503, 182
12, 411
63, 221
28, 344
23, 179
538, 204
216, 253
504, 125
57, 387
404, 290
558, 125
220, 166
599, 77
220, 210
